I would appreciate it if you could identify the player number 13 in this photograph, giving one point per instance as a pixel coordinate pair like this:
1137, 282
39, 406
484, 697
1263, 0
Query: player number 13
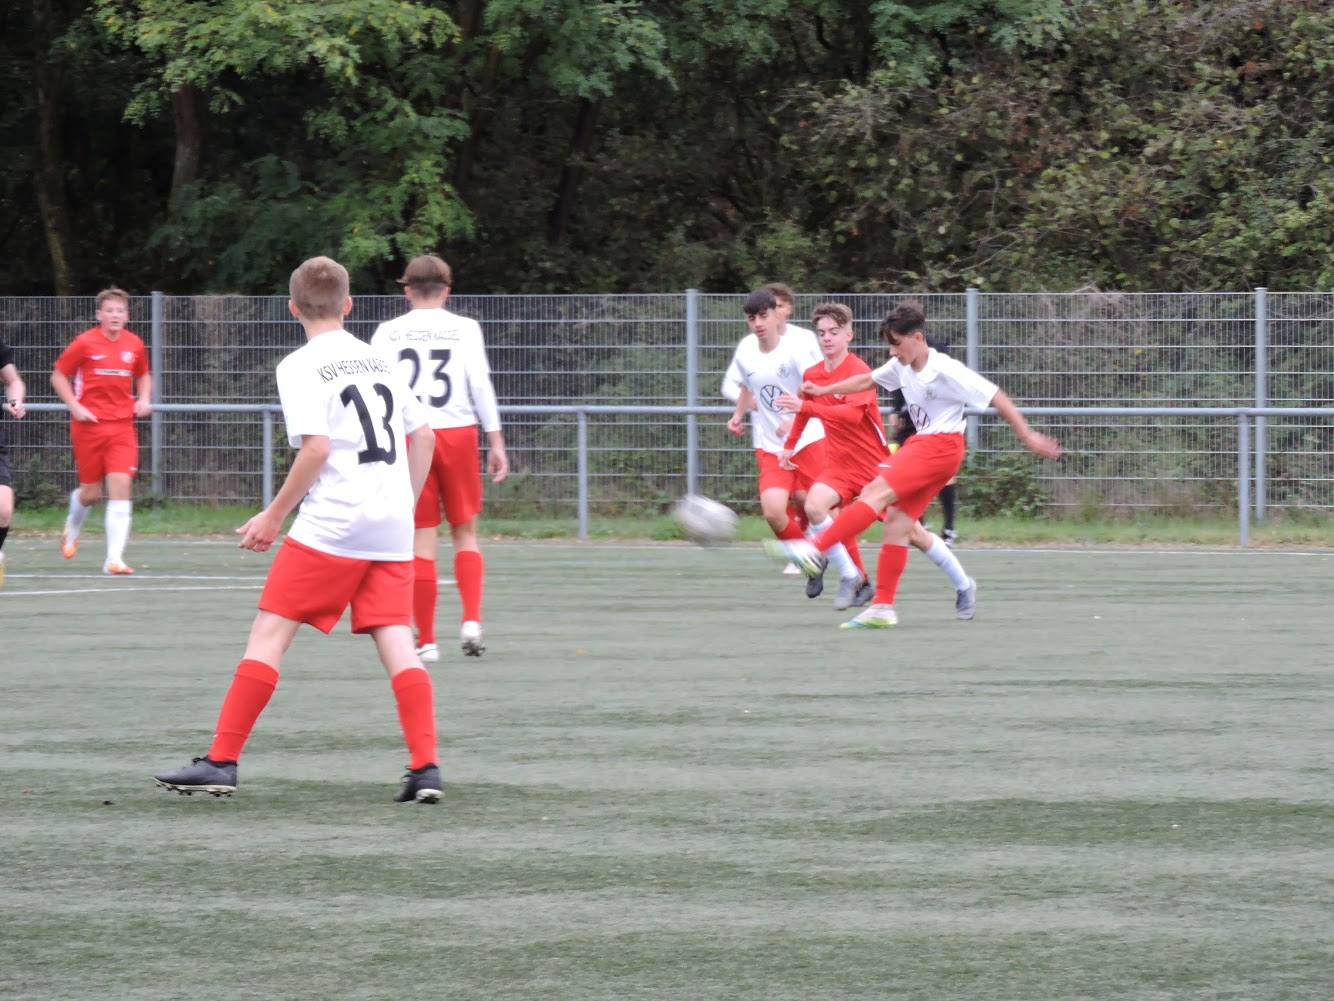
373, 452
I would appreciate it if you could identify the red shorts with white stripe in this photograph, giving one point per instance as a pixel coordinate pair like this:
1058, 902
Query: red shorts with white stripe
921, 466
104, 447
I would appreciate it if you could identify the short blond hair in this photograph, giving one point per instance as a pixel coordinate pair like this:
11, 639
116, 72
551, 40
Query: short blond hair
783, 292
836, 311
319, 287
113, 293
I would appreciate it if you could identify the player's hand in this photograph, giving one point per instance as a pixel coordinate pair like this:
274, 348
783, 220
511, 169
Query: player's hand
737, 424
785, 459
82, 414
258, 533
789, 402
498, 464
809, 388
1041, 444
17, 408
784, 427
142, 408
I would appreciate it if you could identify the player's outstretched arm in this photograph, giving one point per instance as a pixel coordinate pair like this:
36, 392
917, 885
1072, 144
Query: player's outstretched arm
258, 533
852, 384
1034, 441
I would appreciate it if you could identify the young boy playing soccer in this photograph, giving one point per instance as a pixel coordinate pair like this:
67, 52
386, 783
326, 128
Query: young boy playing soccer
937, 389
364, 448
103, 378
15, 391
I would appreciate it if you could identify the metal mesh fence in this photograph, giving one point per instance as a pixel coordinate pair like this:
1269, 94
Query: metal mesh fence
1080, 349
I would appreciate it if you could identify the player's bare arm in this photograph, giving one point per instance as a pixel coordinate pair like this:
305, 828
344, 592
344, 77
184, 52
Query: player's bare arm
15, 391
1034, 441
421, 446
65, 390
852, 384
143, 395
497, 459
258, 533
746, 401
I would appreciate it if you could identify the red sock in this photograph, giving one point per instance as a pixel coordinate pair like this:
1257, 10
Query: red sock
468, 575
791, 531
855, 552
887, 573
425, 591
416, 714
252, 687
854, 519
798, 514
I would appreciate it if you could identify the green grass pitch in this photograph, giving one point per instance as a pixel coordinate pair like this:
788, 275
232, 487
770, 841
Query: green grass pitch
671, 777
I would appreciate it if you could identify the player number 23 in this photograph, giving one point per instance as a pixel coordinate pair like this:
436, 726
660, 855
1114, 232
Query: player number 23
373, 452
441, 358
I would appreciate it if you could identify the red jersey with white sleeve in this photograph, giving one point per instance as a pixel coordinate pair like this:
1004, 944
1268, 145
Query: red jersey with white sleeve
936, 396
103, 371
770, 374
854, 432
362, 505
443, 358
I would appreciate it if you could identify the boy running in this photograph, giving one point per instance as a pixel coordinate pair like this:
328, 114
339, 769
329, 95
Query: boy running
15, 392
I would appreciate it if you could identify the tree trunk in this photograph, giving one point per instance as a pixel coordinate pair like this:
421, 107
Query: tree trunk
49, 179
187, 113
585, 128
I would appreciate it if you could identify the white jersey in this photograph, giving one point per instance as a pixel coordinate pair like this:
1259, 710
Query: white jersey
732, 383
443, 359
362, 505
937, 394
769, 374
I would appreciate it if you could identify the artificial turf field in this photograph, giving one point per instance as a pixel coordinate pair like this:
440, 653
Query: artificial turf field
671, 777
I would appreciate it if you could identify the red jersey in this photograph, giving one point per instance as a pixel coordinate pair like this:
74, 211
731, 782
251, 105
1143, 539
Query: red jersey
103, 372
853, 430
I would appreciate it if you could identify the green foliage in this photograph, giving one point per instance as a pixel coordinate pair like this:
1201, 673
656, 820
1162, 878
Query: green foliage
996, 485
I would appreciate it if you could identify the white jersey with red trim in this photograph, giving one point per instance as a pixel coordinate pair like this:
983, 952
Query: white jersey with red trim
936, 396
362, 505
443, 358
769, 374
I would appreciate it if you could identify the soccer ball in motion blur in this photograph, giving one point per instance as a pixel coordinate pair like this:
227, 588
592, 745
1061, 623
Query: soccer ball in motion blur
704, 520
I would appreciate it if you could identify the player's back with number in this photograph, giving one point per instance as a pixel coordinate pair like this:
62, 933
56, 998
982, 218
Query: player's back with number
443, 358
338, 387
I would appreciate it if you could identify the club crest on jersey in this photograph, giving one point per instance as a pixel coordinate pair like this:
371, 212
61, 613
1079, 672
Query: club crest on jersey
127, 356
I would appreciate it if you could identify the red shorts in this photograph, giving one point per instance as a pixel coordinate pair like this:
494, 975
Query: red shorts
922, 465
848, 482
104, 447
455, 479
809, 461
309, 586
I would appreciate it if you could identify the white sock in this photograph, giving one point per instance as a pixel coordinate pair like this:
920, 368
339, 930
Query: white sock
838, 554
77, 513
118, 529
943, 556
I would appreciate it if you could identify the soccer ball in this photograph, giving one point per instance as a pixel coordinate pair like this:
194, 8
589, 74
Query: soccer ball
704, 520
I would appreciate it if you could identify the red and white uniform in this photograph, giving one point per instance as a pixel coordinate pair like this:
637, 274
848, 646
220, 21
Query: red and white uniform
361, 505
855, 444
935, 398
733, 380
103, 372
443, 358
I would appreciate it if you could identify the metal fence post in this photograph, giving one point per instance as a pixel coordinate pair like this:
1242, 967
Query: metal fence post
155, 418
268, 458
1244, 478
692, 390
970, 359
1261, 398
582, 465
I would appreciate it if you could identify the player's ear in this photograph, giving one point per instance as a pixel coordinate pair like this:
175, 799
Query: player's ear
291, 308
347, 305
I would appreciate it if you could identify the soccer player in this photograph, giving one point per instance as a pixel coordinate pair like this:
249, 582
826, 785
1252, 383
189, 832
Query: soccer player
902, 429
15, 392
444, 360
770, 363
103, 378
937, 389
363, 451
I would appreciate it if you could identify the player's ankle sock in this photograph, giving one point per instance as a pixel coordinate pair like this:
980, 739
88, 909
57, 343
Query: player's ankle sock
888, 571
855, 554
791, 532
947, 497
416, 714
943, 556
468, 573
854, 519
838, 554
78, 511
252, 687
118, 529
425, 591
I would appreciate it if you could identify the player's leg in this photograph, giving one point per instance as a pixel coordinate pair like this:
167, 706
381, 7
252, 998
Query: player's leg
118, 515
461, 494
6, 505
379, 608
90, 466
820, 500
948, 496
940, 554
425, 544
469, 578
